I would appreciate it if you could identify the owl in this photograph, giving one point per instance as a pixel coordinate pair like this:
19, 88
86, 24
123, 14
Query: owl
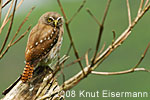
43, 43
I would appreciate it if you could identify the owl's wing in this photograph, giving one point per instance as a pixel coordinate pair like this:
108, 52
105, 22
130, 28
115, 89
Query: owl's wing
41, 40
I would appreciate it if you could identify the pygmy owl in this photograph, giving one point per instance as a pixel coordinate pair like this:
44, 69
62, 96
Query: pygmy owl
44, 42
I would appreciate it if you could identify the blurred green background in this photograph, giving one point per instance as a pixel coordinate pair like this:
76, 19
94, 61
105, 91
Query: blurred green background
84, 31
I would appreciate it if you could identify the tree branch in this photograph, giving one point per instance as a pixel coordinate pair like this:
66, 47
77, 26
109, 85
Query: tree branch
79, 76
121, 72
9, 29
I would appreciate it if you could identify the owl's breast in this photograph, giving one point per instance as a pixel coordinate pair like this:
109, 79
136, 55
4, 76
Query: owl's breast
42, 46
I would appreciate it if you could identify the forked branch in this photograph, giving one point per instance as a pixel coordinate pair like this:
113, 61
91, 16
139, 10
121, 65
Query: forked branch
98, 60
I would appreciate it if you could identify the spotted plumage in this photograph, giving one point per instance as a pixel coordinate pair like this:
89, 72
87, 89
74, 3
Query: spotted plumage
43, 43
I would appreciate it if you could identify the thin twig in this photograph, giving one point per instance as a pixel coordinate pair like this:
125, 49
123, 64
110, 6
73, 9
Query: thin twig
15, 42
90, 13
142, 57
74, 48
106, 11
19, 4
62, 10
103, 47
147, 1
0, 10
69, 34
101, 31
81, 6
86, 58
140, 7
63, 75
60, 67
129, 12
120, 72
69, 49
26, 18
21, 36
101, 50
3, 25
75, 61
61, 61
4, 21
7, 2
61, 70
114, 36
11, 43
9, 29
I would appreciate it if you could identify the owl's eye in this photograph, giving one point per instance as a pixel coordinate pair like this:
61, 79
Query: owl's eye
59, 20
50, 19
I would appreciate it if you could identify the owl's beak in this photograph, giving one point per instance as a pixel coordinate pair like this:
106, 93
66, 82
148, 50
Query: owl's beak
55, 22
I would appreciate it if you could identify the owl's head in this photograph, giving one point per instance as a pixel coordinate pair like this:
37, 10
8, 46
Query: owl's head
51, 18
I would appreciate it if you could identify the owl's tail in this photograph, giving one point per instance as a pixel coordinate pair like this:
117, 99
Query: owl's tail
27, 73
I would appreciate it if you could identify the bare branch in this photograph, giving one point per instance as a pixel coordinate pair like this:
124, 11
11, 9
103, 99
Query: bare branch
61, 62
140, 7
106, 11
121, 72
74, 62
74, 48
75, 79
69, 34
11, 44
114, 36
21, 36
86, 58
103, 47
79, 76
81, 6
63, 75
101, 31
26, 18
9, 29
0, 9
90, 13
142, 57
62, 10
129, 12
19, 4
126, 71
69, 49
4, 21
146, 3
77, 60
7, 2
120, 39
